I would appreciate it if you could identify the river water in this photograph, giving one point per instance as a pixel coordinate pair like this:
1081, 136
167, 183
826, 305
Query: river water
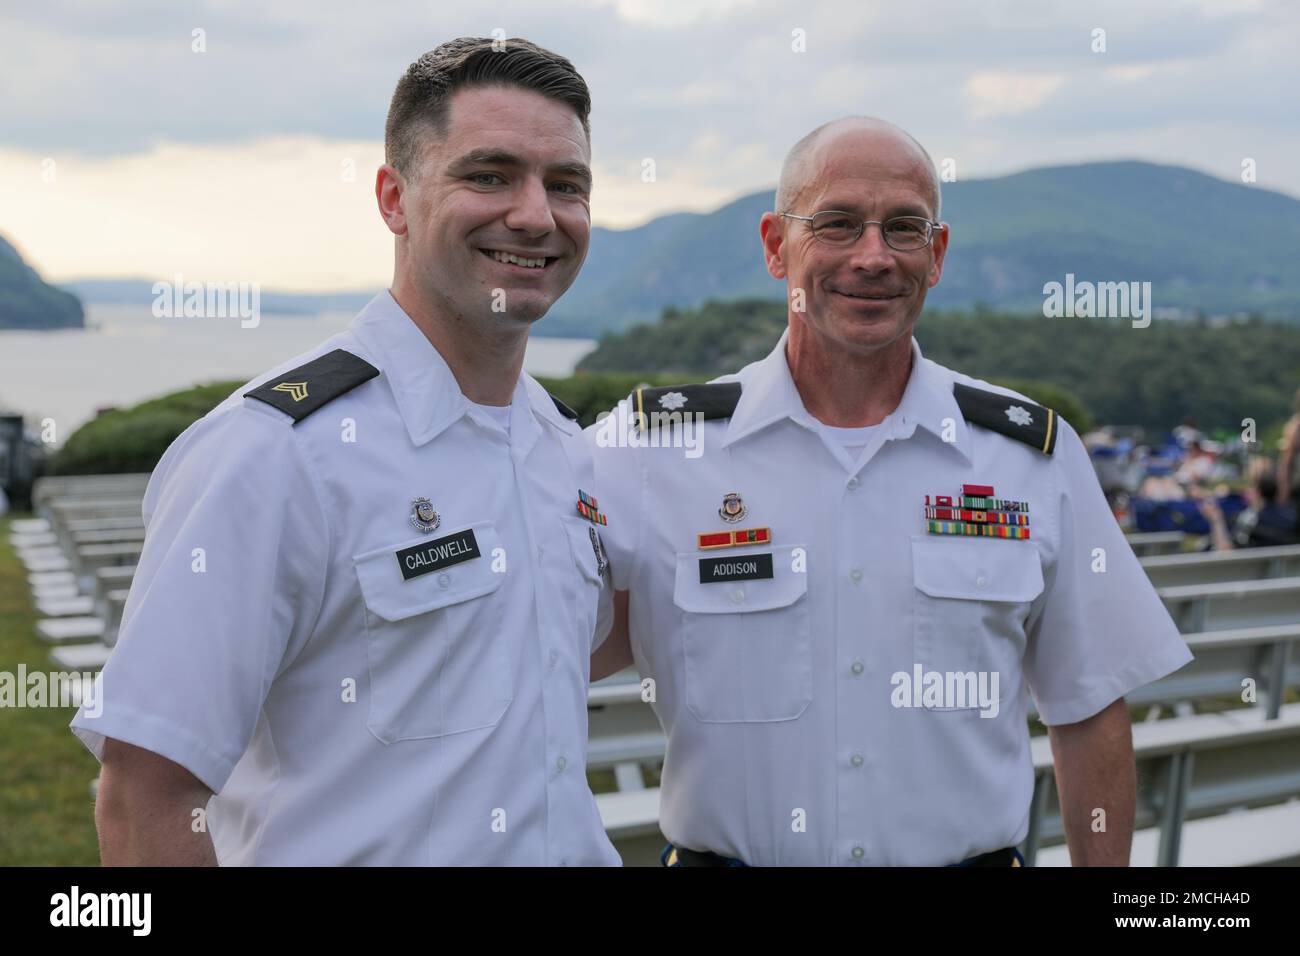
126, 355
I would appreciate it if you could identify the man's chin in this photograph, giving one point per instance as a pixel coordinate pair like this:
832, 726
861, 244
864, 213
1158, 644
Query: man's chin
861, 332
524, 310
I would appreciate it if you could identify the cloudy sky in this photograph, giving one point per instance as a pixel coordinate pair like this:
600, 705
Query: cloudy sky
124, 152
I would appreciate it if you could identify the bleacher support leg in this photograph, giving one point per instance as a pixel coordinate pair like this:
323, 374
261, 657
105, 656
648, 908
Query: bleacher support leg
1278, 659
1171, 819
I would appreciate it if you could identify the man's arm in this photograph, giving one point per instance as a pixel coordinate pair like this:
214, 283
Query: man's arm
145, 811
1095, 771
615, 653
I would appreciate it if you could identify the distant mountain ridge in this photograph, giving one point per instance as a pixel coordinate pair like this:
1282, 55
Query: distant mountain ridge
1204, 244
28, 302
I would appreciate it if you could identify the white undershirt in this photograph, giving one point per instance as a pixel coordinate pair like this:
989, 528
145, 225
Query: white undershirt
498, 413
853, 440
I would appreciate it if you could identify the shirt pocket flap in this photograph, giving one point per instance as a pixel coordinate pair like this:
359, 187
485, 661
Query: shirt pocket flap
582, 541
785, 587
393, 597
975, 570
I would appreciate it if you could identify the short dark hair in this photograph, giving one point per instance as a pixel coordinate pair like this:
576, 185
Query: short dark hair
421, 99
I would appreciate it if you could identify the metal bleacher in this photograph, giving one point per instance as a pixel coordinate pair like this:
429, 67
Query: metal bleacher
1217, 789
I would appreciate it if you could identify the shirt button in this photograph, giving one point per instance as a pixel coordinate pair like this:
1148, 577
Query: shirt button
554, 658
856, 575
856, 668
856, 760
858, 853
444, 580
981, 581
737, 595
560, 764
853, 483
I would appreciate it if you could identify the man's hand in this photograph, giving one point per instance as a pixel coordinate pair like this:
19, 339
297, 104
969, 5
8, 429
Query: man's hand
616, 651
1095, 771
145, 810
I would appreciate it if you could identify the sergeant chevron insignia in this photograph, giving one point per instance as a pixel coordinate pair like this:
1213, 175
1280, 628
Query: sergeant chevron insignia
296, 390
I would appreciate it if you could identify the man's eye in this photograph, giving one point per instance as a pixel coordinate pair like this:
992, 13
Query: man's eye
479, 177
570, 188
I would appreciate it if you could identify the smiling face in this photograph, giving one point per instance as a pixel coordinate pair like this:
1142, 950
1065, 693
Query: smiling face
865, 296
494, 224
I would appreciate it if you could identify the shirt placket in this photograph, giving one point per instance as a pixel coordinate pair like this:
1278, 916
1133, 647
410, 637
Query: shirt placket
562, 760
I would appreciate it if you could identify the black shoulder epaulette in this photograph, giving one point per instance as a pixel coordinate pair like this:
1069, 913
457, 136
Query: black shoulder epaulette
1016, 418
717, 400
565, 410
306, 388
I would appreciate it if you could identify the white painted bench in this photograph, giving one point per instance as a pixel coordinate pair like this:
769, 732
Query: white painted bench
1146, 543
1190, 769
1209, 567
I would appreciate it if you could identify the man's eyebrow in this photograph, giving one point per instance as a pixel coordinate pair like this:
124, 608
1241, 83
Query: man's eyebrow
576, 170
501, 157
898, 209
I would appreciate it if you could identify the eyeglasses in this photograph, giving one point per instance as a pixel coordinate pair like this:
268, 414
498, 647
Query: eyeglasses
903, 233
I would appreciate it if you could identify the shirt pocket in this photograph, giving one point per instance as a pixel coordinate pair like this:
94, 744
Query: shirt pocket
747, 644
970, 603
582, 580
438, 664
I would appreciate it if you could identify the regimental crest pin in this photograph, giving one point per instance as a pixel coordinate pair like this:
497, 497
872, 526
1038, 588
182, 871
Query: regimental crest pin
733, 509
598, 546
423, 517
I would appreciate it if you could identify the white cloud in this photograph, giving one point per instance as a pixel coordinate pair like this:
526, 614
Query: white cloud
674, 13
277, 211
711, 91
1000, 93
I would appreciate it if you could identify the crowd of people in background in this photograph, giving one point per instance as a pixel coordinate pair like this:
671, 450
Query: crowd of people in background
1232, 492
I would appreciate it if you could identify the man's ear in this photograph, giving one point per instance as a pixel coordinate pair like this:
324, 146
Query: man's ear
390, 187
770, 229
940, 245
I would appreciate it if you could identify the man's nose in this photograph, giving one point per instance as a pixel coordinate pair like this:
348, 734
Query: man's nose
871, 253
531, 210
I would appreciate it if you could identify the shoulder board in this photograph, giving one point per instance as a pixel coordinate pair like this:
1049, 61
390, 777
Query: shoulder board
306, 388
712, 401
1016, 418
565, 410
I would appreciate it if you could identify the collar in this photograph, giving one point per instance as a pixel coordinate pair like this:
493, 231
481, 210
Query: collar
770, 395
427, 394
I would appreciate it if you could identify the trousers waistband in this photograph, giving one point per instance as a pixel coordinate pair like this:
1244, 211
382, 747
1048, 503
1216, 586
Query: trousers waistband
681, 856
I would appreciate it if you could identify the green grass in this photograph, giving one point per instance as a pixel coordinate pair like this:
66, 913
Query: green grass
46, 812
